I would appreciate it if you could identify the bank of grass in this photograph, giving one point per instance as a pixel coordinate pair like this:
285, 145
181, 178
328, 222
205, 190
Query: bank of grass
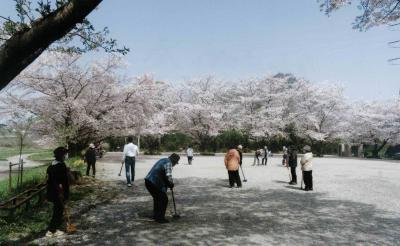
45, 155
6, 152
35, 220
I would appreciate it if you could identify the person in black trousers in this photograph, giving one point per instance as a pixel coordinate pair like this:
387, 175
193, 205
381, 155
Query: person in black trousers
240, 150
90, 158
57, 190
292, 162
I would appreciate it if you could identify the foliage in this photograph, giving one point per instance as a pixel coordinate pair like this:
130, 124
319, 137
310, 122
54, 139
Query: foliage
82, 38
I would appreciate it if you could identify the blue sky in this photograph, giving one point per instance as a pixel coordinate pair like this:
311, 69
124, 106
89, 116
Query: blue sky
236, 39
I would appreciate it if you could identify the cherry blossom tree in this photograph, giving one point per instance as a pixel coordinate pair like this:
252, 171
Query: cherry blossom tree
76, 103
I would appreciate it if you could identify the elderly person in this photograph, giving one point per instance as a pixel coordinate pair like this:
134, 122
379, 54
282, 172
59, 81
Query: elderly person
306, 167
232, 162
240, 150
90, 159
157, 181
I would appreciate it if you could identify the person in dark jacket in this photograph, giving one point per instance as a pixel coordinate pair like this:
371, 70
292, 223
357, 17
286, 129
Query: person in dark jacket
90, 158
292, 162
57, 190
157, 181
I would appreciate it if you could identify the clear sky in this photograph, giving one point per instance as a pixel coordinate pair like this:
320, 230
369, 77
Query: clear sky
236, 39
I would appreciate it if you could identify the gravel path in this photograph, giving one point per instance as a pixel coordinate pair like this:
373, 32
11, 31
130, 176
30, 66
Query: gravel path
353, 202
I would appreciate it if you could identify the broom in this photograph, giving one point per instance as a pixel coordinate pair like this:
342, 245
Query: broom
71, 228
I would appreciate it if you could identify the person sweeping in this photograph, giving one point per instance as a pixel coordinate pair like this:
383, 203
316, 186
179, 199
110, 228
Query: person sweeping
57, 190
232, 162
157, 181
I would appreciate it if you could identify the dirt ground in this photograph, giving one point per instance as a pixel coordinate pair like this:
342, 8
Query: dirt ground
353, 202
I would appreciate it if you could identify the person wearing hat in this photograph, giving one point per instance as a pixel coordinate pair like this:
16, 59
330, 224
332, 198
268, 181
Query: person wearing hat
232, 160
292, 163
240, 150
157, 181
306, 167
90, 159
57, 190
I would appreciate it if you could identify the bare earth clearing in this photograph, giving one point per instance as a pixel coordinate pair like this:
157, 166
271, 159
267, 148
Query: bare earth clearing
353, 202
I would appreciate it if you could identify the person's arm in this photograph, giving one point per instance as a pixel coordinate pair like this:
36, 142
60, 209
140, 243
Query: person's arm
65, 184
168, 174
123, 154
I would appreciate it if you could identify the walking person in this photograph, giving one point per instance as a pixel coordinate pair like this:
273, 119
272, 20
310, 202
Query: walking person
292, 162
306, 167
90, 159
189, 153
240, 150
130, 153
265, 156
232, 160
57, 190
157, 182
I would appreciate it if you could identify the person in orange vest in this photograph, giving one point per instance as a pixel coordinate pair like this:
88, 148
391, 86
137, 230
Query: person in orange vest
232, 162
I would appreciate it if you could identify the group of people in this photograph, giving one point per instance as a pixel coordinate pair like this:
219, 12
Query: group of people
264, 153
159, 179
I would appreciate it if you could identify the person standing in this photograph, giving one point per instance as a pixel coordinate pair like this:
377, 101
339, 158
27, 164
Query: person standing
57, 190
285, 156
90, 158
240, 150
189, 153
265, 156
130, 153
157, 181
232, 160
257, 155
292, 162
306, 167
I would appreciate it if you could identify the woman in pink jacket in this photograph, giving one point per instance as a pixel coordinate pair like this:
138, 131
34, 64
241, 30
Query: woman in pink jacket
232, 160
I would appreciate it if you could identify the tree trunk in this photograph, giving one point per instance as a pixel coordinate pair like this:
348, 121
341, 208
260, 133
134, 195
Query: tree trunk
26, 45
377, 148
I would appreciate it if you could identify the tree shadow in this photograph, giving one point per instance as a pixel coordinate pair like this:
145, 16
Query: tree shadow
214, 215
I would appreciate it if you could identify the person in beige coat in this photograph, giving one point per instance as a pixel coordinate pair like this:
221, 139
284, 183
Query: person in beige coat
306, 167
232, 162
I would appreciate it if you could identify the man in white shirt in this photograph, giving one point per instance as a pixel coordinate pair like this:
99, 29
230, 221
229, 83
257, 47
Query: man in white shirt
130, 153
189, 153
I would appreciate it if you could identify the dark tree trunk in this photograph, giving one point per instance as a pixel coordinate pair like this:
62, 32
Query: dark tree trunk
26, 45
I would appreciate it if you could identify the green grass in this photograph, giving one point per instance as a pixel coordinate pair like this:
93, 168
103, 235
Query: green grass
6, 152
30, 178
42, 156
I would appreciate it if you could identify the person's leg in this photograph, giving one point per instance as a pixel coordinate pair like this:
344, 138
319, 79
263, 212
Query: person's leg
163, 201
153, 192
127, 170
237, 179
294, 176
310, 181
231, 179
56, 219
94, 168
87, 168
266, 160
307, 180
133, 168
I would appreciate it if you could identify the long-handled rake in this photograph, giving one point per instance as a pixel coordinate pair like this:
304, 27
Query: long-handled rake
122, 164
176, 215
244, 178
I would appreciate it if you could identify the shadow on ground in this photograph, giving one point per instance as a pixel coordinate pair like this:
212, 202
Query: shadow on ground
215, 215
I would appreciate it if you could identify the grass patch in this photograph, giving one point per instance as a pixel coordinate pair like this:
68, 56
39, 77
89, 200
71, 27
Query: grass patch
6, 152
42, 156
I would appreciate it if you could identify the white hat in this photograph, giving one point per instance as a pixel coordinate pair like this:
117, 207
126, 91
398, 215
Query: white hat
240, 146
91, 145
